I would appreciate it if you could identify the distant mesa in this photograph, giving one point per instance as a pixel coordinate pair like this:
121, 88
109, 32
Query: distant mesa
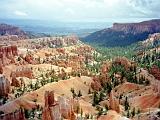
8, 32
135, 28
122, 34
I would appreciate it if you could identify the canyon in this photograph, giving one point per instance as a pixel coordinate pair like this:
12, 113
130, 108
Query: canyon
60, 77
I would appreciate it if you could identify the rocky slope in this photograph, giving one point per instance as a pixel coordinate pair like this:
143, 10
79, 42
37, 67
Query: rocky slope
6, 30
55, 77
121, 34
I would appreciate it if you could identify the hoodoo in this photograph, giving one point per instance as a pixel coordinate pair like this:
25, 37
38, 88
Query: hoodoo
4, 86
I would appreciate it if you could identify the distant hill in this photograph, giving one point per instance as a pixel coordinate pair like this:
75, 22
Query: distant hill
123, 34
6, 29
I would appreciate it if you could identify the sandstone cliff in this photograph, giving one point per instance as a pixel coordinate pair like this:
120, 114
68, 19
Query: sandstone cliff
17, 115
7, 53
122, 34
134, 28
56, 110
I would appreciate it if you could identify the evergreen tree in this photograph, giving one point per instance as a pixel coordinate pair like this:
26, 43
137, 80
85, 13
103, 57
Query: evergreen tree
133, 112
128, 114
79, 93
101, 96
89, 91
81, 112
139, 111
126, 104
95, 98
27, 113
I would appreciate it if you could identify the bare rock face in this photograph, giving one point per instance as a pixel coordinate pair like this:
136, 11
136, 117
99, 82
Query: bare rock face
56, 110
72, 116
114, 104
67, 40
123, 34
1, 69
17, 115
49, 98
65, 106
96, 84
5, 38
155, 71
12, 30
15, 82
61, 50
71, 40
51, 109
29, 59
46, 114
54, 42
7, 53
22, 72
146, 26
105, 67
4, 86
123, 61
152, 38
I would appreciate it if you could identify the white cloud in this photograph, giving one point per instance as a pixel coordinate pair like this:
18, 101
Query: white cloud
80, 9
70, 11
20, 13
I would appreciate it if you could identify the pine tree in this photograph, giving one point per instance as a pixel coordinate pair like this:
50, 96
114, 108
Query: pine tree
133, 112
27, 114
95, 98
128, 114
89, 91
77, 109
126, 104
101, 96
106, 107
100, 111
81, 112
73, 93
79, 93
139, 111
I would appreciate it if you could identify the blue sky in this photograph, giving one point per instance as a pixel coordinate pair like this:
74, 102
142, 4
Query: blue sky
80, 10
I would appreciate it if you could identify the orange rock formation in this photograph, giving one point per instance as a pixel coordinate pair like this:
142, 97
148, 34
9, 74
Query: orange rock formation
4, 86
7, 53
22, 72
17, 115
56, 110
114, 104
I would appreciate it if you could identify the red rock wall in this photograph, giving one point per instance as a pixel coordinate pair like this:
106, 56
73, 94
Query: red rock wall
96, 85
17, 115
4, 86
22, 72
7, 53
123, 61
51, 109
55, 110
155, 71
146, 26
114, 104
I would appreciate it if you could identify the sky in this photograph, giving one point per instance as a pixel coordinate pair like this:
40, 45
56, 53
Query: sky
80, 10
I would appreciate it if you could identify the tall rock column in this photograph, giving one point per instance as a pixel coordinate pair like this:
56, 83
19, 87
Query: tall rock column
51, 110
114, 103
4, 86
